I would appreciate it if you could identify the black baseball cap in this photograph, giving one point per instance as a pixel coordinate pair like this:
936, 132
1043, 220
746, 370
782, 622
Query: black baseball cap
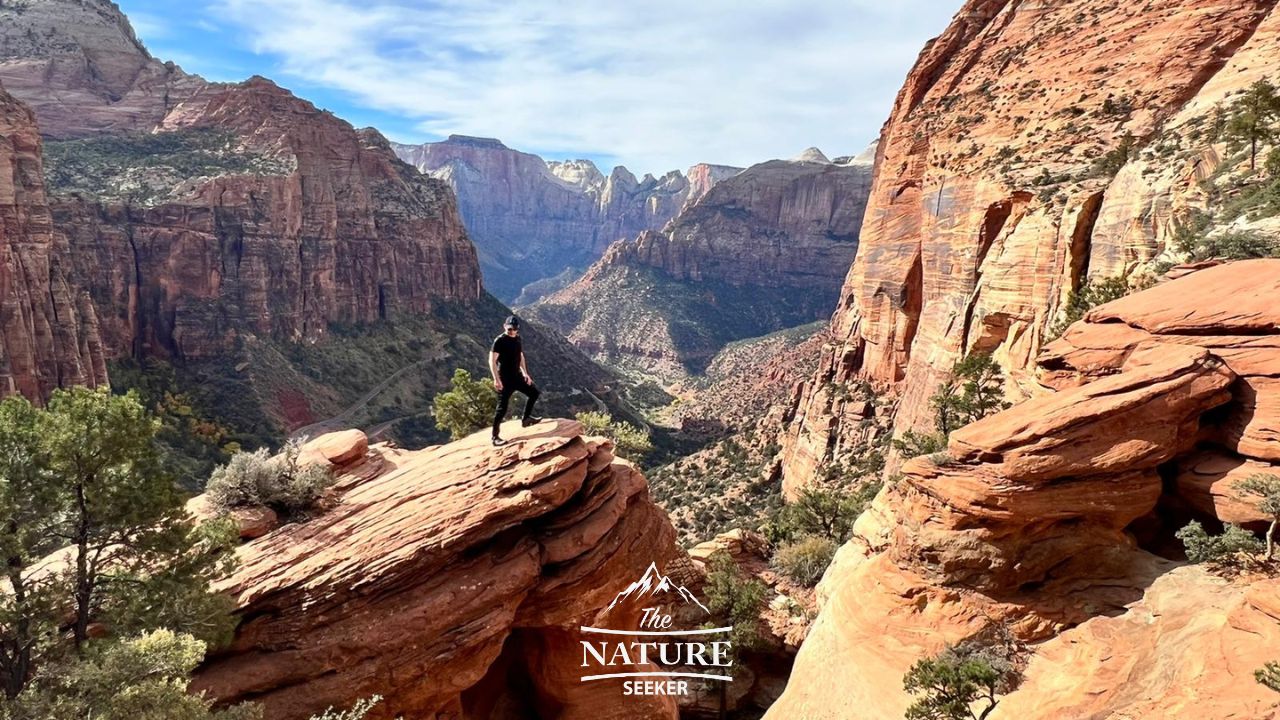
512, 322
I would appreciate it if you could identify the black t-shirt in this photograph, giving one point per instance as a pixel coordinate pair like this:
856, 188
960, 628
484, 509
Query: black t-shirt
508, 349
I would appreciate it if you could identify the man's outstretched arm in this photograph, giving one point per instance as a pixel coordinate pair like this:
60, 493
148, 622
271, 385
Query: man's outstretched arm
493, 370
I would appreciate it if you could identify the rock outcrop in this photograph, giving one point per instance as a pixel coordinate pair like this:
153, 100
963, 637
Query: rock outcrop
1018, 162
1046, 517
48, 326
531, 219
761, 251
451, 581
80, 67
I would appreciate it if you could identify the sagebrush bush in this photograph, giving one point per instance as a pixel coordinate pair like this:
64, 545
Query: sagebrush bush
805, 560
256, 479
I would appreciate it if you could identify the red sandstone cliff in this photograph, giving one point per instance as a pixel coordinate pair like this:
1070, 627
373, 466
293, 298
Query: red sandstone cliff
48, 326
993, 197
186, 215
531, 219
334, 230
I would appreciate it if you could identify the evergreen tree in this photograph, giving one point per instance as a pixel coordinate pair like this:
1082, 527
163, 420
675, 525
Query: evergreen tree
30, 507
1252, 119
468, 405
1267, 489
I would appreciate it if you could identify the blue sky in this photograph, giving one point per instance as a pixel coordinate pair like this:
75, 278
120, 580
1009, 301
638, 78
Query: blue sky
656, 86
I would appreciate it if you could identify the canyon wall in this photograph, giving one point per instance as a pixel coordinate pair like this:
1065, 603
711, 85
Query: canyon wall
1033, 146
761, 251
49, 334
531, 219
322, 225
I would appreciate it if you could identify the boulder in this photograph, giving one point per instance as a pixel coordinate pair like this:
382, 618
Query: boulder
339, 448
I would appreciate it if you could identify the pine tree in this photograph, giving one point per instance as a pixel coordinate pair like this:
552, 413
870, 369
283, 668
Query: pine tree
1252, 119
466, 407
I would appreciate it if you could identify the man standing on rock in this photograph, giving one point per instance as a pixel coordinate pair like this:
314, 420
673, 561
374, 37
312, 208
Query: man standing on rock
506, 364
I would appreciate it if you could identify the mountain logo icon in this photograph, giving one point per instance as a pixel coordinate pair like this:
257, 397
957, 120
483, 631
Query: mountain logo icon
653, 584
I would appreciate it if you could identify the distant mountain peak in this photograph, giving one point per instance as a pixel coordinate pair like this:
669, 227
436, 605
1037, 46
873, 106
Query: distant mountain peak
812, 154
653, 584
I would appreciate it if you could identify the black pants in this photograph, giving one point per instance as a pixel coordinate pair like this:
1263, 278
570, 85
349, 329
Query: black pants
510, 386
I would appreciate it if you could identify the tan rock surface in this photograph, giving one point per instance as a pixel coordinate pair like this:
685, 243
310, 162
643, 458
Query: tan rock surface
451, 584
1030, 521
80, 66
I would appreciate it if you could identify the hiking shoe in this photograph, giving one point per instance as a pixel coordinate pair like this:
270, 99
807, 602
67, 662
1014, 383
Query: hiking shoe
498, 442
530, 421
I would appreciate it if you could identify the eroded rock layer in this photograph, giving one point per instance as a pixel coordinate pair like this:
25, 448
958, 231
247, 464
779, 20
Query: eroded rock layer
451, 581
1019, 161
1044, 518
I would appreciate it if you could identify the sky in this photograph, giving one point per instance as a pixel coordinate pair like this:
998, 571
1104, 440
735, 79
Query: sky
655, 86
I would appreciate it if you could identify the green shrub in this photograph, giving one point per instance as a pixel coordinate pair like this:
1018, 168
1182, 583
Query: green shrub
972, 672
144, 678
913, 443
736, 600
1223, 549
1266, 488
805, 560
282, 483
466, 407
820, 511
1093, 293
1230, 245
974, 390
629, 441
1269, 675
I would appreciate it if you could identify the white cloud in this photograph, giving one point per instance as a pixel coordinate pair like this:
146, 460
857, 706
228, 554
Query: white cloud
658, 85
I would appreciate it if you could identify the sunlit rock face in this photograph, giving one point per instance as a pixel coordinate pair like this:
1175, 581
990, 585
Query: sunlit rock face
1056, 519
1002, 184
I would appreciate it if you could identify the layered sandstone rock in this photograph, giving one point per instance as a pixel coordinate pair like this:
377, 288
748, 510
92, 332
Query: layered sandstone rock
531, 219
761, 251
1040, 518
997, 191
452, 583
49, 335
79, 65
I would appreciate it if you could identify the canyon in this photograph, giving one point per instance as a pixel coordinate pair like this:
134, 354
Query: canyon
532, 220
764, 250
231, 229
